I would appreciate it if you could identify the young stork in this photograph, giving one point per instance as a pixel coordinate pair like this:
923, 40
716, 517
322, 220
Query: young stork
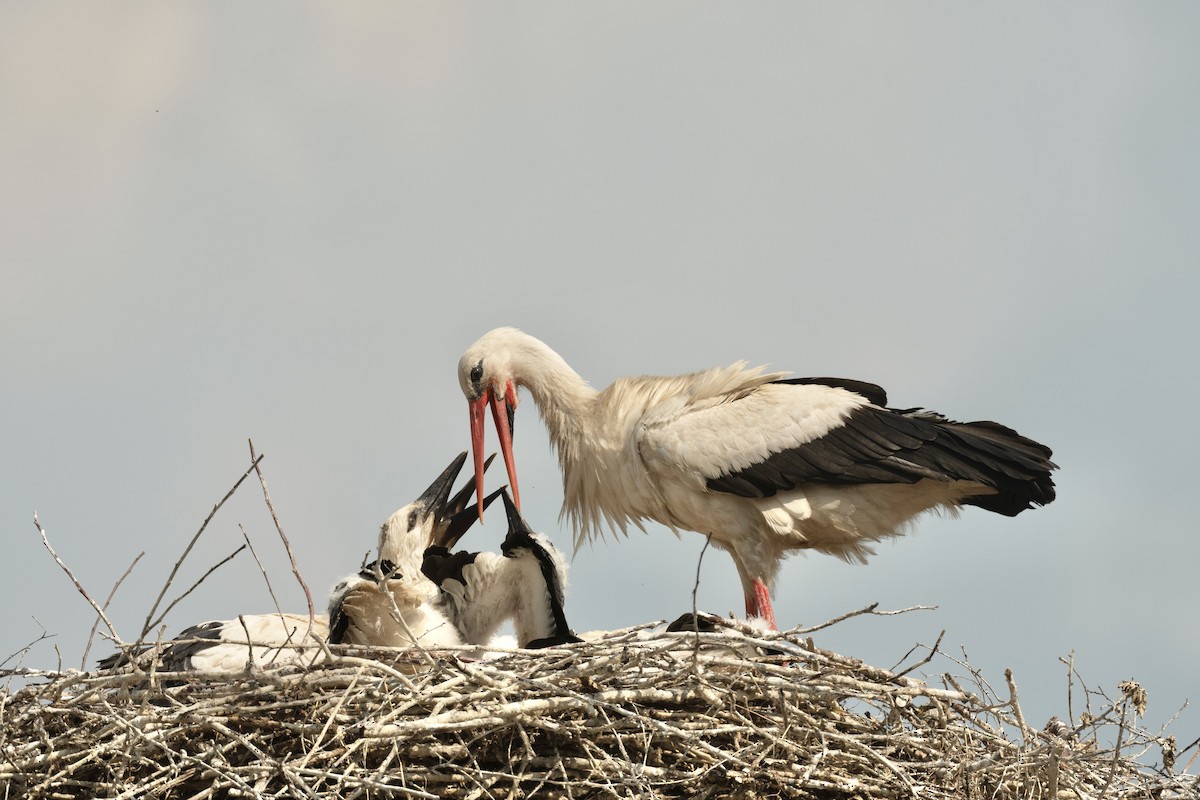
360, 612
390, 603
480, 591
763, 463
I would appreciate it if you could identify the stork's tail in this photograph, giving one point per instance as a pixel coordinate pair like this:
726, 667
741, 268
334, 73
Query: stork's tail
1017, 467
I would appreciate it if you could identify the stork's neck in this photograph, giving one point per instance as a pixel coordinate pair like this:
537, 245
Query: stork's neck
400, 547
561, 395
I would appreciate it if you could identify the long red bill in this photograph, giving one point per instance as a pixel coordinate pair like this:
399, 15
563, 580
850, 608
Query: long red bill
502, 413
476, 407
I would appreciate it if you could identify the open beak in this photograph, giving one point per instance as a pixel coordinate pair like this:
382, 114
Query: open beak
452, 517
503, 410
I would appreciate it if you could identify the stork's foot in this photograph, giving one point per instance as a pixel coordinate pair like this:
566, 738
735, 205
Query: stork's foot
697, 623
552, 641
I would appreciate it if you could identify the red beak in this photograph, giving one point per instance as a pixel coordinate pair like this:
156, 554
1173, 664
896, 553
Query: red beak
502, 414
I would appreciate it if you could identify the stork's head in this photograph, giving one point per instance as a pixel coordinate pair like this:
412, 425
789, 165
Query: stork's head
434, 518
487, 375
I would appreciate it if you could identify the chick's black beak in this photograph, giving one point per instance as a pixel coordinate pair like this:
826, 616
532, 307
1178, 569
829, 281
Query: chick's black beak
452, 516
447, 535
435, 498
516, 523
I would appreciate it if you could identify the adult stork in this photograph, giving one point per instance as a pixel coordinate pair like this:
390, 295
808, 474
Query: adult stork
763, 463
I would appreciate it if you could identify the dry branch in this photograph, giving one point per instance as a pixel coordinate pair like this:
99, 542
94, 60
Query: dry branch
287, 545
78, 586
151, 622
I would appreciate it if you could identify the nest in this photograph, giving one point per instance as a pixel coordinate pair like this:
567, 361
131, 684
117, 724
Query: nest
636, 713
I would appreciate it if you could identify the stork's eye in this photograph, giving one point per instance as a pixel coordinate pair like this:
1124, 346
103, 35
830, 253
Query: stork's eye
412, 520
477, 373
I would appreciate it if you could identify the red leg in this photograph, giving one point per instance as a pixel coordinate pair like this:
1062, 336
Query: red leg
759, 605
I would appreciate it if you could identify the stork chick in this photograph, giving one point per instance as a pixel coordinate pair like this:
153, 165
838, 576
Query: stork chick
480, 591
389, 603
385, 604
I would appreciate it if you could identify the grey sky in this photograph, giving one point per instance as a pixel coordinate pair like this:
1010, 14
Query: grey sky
285, 221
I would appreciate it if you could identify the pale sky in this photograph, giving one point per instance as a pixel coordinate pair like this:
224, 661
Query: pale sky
286, 221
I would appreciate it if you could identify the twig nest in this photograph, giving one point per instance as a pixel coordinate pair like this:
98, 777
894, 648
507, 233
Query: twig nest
733, 712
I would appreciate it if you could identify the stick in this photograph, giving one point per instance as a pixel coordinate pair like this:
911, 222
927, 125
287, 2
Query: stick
26, 648
107, 600
261, 569
1026, 732
286, 544
71, 575
1116, 759
199, 581
175, 570
695, 611
932, 652
282, 620
249, 644
871, 609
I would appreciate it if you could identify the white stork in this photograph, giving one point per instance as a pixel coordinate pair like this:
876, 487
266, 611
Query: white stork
764, 463
527, 583
421, 593
392, 602
360, 610
230, 645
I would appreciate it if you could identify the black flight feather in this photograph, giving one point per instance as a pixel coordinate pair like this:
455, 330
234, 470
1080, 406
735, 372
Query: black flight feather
881, 445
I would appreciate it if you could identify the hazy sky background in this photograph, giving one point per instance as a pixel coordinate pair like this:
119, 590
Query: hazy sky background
286, 221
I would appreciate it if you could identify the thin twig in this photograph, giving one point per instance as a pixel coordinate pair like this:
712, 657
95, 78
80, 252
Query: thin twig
871, 609
695, 608
261, 569
933, 651
195, 585
79, 586
1116, 759
148, 625
274, 600
249, 643
22, 651
107, 601
312, 614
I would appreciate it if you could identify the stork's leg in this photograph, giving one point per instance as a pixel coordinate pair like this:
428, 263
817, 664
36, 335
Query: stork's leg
758, 604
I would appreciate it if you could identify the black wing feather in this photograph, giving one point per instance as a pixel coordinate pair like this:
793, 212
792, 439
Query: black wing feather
339, 623
874, 394
882, 445
177, 656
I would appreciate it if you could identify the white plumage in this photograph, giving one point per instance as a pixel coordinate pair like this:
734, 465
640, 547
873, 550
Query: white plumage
764, 463
390, 602
258, 640
420, 593
416, 594
526, 583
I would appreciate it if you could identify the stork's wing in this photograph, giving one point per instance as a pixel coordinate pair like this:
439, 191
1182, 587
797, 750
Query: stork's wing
873, 392
227, 645
784, 434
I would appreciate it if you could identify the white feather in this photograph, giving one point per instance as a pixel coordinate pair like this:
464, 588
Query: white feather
501, 588
257, 640
645, 448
